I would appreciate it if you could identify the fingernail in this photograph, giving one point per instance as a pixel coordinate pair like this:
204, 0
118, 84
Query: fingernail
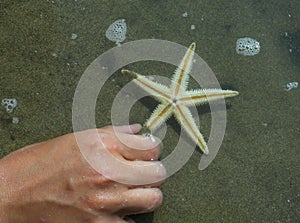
161, 172
157, 199
135, 127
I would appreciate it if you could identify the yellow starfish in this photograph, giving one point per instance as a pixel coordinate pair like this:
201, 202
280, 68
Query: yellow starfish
176, 99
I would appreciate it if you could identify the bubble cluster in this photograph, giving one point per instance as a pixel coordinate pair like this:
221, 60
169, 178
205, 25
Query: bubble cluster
15, 120
74, 36
247, 46
291, 85
9, 104
116, 32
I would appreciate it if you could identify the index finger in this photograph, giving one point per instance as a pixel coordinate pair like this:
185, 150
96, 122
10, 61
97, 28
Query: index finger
131, 129
100, 149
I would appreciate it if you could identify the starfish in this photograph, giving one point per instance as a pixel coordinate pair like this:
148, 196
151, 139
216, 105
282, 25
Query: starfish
176, 99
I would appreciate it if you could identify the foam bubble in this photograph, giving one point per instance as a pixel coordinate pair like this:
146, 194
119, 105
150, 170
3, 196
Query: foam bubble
247, 46
116, 32
9, 104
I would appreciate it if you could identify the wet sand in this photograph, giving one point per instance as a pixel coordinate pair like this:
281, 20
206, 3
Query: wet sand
255, 176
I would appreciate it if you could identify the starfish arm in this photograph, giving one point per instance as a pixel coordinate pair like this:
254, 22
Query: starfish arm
159, 115
201, 96
181, 76
159, 91
186, 120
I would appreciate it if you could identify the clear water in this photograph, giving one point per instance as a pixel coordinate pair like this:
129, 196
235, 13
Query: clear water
255, 177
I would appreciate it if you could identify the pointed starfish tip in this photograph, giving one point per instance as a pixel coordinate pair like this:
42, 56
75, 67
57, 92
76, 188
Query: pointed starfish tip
234, 93
129, 72
193, 46
206, 152
230, 93
123, 71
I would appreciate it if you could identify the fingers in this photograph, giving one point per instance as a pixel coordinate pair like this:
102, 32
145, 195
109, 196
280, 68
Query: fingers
98, 152
131, 147
136, 173
132, 201
131, 174
122, 141
141, 200
136, 147
127, 172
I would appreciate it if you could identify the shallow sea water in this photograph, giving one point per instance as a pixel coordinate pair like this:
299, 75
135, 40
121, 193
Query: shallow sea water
255, 176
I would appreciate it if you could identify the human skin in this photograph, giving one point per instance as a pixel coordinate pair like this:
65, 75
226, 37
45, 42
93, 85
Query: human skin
52, 182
